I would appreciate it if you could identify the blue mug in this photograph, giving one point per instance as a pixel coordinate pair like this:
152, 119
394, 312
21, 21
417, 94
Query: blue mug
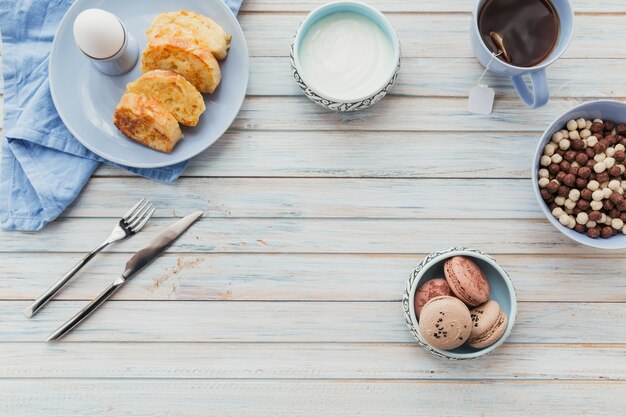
539, 95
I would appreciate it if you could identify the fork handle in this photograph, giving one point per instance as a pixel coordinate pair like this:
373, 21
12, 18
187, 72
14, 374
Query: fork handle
36, 305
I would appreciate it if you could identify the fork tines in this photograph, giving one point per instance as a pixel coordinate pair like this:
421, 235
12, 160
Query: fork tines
136, 218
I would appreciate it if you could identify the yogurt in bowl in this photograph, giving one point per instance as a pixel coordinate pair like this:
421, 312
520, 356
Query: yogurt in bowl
345, 56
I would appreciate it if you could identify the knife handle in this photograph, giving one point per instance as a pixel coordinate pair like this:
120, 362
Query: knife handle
87, 310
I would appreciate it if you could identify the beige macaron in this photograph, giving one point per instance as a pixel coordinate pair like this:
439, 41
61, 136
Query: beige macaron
489, 323
445, 323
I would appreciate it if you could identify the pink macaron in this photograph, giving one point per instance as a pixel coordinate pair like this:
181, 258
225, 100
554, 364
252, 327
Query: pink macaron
429, 290
467, 280
445, 323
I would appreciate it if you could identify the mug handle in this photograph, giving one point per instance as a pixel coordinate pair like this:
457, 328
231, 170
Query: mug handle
540, 94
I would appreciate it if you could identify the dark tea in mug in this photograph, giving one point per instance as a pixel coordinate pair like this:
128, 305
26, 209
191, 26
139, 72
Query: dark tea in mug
523, 32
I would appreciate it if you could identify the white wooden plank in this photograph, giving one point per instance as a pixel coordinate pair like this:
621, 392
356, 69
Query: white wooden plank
399, 114
363, 154
453, 77
439, 6
329, 322
295, 360
315, 198
308, 398
435, 35
300, 277
310, 236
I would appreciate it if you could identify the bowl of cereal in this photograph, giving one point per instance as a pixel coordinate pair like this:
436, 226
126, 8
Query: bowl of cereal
578, 174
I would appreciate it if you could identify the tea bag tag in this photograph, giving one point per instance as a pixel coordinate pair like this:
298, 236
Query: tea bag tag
481, 99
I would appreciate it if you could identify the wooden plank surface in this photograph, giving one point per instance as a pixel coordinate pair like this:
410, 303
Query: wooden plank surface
310, 398
301, 277
303, 321
285, 298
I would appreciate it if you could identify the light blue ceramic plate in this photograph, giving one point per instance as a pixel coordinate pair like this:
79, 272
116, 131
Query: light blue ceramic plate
502, 292
86, 99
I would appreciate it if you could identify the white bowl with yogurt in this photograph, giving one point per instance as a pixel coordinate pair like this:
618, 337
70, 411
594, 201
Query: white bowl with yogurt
345, 56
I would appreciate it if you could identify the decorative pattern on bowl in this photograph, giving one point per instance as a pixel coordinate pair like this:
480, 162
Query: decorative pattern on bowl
411, 286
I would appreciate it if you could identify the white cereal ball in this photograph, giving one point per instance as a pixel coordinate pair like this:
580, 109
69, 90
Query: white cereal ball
573, 135
598, 121
617, 224
614, 185
624, 230
557, 137
556, 158
545, 161
582, 123
557, 212
596, 205
585, 133
623, 184
620, 147
569, 211
543, 173
609, 162
543, 182
564, 219
620, 191
622, 168
603, 218
589, 123
591, 224
572, 125
582, 218
606, 192
559, 200
549, 149
564, 144
569, 204
574, 194
599, 167
571, 222
599, 157
593, 185
575, 164
592, 141
597, 195
610, 151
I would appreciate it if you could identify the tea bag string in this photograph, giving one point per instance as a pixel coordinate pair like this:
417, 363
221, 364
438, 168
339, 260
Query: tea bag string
493, 56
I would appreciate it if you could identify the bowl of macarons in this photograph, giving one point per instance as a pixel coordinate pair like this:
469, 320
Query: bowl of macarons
459, 304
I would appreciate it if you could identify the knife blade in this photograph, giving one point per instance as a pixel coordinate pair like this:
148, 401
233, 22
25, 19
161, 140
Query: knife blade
135, 264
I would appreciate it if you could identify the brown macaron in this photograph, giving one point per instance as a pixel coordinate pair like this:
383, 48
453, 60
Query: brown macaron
489, 323
429, 290
467, 280
445, 323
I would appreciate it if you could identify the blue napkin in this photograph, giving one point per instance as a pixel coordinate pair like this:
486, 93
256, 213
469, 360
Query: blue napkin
43, 167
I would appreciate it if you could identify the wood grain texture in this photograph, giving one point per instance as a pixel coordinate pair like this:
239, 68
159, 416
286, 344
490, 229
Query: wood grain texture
284, 235
362, 154
307, 360
309, 398
427, 6
316, 198
300, 277
329, 322
453, 77
434, 35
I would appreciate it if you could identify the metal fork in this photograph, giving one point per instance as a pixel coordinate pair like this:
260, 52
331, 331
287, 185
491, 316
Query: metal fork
132, 222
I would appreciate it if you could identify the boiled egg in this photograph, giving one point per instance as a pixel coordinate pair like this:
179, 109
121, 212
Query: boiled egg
98, 33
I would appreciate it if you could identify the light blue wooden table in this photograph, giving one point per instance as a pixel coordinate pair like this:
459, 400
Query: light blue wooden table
285, 299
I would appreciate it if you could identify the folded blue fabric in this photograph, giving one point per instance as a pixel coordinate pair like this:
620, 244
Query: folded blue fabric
43, 166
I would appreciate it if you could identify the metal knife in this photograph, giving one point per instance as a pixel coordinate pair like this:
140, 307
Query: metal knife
134, 265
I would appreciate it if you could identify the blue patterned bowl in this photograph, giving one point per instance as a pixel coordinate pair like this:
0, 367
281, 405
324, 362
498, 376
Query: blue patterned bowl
502, 292
333, 103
